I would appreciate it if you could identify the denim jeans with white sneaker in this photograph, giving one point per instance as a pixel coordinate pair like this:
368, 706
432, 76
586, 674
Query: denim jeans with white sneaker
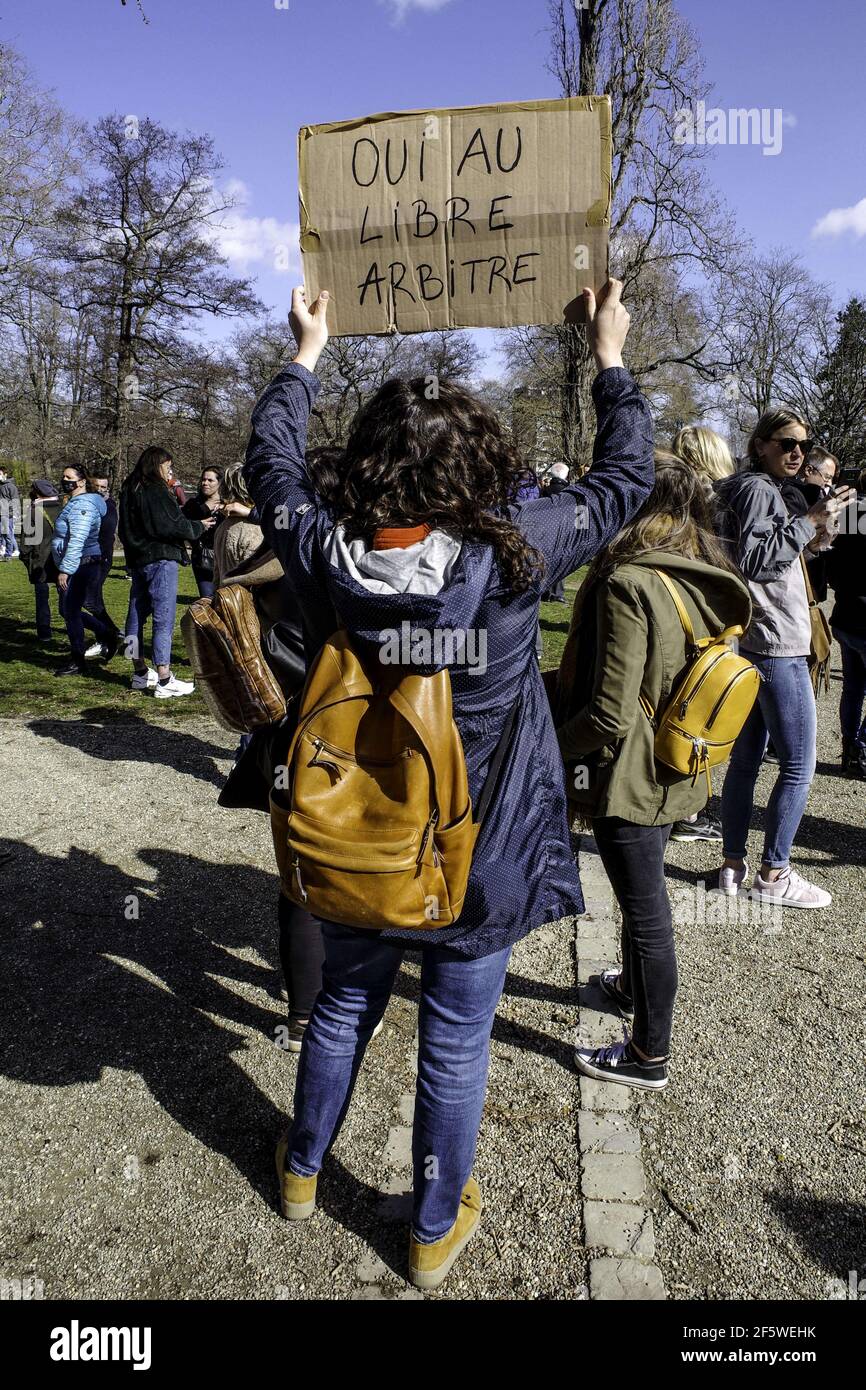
455, 1017
785, 712
154, 591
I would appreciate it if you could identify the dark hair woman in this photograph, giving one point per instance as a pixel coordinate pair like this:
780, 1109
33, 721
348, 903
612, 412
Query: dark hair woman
422, 528
153, 532
770, 547
626, 651
206, 506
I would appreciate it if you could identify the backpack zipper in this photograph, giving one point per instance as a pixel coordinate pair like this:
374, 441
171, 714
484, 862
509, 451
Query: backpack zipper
317, 761
426, 836
321, 744
684, 705
296, 865
724, 695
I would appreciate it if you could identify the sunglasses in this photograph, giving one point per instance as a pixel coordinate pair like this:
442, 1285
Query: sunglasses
789, 445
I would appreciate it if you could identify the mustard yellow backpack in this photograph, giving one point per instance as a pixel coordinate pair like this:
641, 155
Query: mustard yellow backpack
376, 827
706, 713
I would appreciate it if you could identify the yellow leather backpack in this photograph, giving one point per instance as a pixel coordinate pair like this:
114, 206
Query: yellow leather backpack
705, 714
376, 827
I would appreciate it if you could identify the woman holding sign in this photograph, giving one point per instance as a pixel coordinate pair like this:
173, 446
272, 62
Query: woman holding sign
422, 537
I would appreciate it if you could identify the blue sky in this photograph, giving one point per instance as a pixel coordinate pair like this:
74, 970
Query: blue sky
250, 72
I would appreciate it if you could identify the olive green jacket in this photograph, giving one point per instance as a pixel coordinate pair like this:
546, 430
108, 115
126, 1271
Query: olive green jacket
630, 644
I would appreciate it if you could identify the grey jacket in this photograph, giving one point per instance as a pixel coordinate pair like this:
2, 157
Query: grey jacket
767, 543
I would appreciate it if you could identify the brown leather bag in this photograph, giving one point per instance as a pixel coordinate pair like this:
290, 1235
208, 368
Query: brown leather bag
376, 827
223, 641
822, 640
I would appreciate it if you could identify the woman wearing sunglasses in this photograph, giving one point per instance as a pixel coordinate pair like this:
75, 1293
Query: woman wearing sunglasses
767, 544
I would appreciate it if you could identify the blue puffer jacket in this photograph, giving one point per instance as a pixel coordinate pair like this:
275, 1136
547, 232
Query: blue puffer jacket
523, 870
76, 531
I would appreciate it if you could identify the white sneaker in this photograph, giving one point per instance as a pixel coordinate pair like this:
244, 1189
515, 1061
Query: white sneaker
789, 890
93, 651
731, 880
145, 680
173, 687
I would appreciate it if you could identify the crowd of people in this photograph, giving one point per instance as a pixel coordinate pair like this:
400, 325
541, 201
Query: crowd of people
66, 540
429, 518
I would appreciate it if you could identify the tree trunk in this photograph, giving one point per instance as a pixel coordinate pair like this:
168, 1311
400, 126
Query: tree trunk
578, 416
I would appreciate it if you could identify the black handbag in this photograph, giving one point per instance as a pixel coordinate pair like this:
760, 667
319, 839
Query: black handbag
283, 649
249, 784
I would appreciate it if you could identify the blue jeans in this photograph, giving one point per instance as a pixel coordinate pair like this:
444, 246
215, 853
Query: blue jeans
82, 606
154, 591
853, 647
458, 1002
8, 543
204, 582
784, 710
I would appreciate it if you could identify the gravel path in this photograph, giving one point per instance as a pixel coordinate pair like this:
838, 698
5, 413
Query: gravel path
142, 1089
760, 1139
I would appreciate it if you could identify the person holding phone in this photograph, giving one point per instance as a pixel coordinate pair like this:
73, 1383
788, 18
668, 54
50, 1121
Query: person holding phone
206, 506
769, 545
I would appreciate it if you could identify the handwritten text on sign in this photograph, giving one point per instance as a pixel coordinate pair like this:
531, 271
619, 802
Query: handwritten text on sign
479, 216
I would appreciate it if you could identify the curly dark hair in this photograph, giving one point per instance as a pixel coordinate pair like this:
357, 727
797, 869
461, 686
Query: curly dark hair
412, 458
324, 469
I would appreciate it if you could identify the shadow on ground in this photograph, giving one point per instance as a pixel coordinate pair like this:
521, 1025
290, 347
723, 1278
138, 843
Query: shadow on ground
107, 967
88, 984
123, 736
832, 1233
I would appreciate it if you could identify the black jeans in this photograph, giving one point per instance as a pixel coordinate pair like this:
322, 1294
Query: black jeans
634, 860
302, 955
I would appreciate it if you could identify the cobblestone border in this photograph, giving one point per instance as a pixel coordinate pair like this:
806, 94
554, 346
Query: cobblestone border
618, 1227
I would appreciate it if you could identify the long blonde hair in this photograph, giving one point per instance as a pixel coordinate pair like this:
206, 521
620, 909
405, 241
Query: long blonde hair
234, 489
676, 517
705, 451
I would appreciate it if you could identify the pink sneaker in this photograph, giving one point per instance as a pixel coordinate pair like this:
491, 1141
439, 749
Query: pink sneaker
789, 890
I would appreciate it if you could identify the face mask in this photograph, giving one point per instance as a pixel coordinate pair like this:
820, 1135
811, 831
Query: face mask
68, 484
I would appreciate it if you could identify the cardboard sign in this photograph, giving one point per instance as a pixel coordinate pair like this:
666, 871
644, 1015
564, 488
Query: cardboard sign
475, 217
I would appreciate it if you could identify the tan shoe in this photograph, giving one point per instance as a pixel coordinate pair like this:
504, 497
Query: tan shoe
297, 1195
429, 1264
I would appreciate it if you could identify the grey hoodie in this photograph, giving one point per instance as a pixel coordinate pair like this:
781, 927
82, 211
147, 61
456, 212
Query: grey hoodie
767, 543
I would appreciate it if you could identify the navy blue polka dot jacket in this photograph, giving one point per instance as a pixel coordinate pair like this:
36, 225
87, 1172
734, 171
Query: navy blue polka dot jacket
523, 871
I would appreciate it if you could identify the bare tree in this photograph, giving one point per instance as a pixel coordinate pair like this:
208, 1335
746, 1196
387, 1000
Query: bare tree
37, 158
141, 235
773, 342
669, 231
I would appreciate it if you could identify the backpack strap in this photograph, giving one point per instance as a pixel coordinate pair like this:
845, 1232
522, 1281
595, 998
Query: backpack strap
696, 643
680, 607
503, 748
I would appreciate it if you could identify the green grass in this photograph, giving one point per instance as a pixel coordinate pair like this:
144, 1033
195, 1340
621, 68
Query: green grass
555, 620
27, 682
29, 687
